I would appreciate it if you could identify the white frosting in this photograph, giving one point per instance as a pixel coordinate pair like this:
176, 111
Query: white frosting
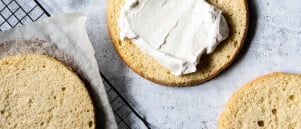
174, 32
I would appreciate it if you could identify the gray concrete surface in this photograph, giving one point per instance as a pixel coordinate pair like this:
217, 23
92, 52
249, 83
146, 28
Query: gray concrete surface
273, 45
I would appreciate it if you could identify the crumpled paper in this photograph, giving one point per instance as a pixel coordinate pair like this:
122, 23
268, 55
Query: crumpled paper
65, 38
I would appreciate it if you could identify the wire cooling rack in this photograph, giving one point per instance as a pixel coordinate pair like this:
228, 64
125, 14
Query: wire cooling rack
18, 12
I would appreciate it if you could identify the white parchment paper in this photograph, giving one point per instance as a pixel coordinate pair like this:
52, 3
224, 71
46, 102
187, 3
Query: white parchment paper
63, 37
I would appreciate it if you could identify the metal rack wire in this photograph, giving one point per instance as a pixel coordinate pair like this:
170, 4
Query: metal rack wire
14, 13
125, 114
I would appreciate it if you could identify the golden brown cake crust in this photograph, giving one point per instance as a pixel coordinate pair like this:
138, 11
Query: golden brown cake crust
37, 91
236, 13
273, 94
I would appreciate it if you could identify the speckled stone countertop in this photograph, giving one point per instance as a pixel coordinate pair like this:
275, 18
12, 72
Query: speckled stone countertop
273, 45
